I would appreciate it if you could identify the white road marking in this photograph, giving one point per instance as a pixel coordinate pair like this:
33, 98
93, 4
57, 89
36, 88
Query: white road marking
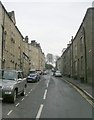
22, 99
39, 112
48, 81
44, 97
26, 95
1, 98
29, 92
47, 85
17, 104
10, 112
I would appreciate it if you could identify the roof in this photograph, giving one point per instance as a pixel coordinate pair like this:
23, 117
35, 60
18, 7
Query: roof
11, 19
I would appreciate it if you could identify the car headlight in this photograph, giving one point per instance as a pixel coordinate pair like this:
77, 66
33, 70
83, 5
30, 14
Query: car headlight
8, 92
8, 87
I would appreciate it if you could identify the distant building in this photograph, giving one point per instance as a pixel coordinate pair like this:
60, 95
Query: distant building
49, 58
37, 57
58, 64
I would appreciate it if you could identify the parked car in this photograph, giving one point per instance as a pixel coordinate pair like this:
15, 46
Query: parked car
45, 72
13, 84
58, 74
53, 73
39, 72
33, 76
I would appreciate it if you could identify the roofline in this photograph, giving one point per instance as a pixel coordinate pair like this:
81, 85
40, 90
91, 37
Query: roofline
79, 28
88, 9
11, 19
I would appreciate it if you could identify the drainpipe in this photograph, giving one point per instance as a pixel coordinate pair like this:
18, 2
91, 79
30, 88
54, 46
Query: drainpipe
72, 56
92, 47
2, 39
84, 33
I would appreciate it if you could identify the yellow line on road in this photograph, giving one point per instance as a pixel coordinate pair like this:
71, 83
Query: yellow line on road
81, 93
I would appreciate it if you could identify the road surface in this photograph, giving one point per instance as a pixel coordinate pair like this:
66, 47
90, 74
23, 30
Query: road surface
51, 97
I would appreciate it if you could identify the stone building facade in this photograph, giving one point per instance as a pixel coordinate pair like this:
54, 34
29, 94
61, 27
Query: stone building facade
1, 23
15, 50
59, 64
37, 56
77, 58
25, 56
11, 40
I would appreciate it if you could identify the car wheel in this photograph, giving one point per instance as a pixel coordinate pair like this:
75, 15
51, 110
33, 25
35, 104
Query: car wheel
24, 92
13, 99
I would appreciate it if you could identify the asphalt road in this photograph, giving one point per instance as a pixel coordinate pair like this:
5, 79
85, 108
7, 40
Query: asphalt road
51, 97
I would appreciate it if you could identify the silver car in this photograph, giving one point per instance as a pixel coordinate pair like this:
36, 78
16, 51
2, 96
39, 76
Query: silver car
12, 83
58, 74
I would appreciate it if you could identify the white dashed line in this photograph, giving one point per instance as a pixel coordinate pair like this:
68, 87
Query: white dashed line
47, 85
17, 104
22, 99
44, 97
26, 95
39, 112
10, 112
48, 81
1, 98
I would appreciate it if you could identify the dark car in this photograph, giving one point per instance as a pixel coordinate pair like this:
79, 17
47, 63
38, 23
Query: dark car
32, 77
12, 84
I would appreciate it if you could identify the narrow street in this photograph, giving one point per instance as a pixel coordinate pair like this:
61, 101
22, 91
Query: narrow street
51, 97
46, 59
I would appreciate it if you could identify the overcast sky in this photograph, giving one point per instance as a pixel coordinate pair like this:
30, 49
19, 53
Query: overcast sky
50, 22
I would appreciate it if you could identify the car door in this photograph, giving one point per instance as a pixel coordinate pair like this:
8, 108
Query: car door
19, 81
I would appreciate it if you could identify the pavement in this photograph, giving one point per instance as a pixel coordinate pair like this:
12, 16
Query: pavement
85, 87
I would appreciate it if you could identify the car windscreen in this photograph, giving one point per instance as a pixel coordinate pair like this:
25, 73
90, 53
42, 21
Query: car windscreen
32, 75
32, 72
9, 75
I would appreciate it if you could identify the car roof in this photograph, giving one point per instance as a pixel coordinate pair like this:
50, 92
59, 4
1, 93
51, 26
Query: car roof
32, 70
57, 71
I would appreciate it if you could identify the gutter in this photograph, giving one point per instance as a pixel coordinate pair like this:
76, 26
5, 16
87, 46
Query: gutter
84, 92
